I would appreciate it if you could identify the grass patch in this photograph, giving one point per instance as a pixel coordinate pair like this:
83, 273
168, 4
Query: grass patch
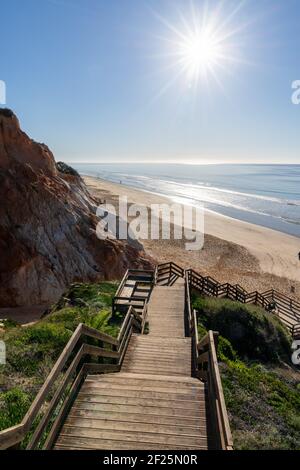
262, 392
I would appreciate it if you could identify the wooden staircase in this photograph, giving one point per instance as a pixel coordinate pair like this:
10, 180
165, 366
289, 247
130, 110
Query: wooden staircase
160, 390
153, 403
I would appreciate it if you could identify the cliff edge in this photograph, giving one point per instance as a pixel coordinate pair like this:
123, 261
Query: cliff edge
48, 225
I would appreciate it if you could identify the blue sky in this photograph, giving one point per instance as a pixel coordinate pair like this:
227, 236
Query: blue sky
96, 80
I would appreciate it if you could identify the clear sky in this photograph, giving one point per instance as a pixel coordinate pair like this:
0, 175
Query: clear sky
120, 80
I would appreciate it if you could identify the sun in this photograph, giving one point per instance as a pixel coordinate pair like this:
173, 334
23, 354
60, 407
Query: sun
202, 43
199, 52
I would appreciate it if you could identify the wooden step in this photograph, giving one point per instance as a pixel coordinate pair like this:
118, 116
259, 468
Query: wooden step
67, 443
149, 358
95, 397
115, 385
154, 362
166, 379
134, 436
195, 422
155, 382
160, 356
145, 409
94, 389
141, 370
149, 428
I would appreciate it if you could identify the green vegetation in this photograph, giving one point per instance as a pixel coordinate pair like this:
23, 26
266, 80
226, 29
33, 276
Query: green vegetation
261, 387
6, 112
253, 332
32, 350
66, 169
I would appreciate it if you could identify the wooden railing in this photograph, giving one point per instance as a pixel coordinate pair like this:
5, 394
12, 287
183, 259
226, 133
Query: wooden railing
123, 298
191, 329
168, 273
44, 419
208, 370
205, 367
142, 274
296, 331
287, 309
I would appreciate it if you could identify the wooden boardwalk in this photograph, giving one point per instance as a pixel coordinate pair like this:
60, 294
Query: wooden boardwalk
153, 402
160, 390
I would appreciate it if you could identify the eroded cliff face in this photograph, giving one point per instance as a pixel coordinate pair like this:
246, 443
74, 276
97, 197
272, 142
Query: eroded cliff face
48, 226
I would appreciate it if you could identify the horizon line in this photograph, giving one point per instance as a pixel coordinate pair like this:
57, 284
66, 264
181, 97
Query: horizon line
163, 162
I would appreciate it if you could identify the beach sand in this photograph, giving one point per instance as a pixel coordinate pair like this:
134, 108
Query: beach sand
238, 252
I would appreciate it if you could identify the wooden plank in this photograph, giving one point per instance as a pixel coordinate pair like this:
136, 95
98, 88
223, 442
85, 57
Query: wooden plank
122, 283
11, 436
116, 392
126, 400
144, 409
120, 416
123, 351
101, 368
82, 443
125, 340
124, 325
184, 391
100, 352
148, 380
93, 333
224, 426
149, 428
134, 436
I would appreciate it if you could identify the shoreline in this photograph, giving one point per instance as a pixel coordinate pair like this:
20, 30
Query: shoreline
255, 256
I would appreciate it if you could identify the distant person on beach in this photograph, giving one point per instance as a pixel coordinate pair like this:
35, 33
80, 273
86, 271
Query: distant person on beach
299, 255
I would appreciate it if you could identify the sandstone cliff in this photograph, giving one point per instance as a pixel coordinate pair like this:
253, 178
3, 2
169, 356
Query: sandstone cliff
47, 225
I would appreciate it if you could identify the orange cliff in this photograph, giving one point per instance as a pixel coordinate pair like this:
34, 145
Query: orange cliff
48, 225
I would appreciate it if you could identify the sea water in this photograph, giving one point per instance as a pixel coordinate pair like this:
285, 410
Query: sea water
267, 195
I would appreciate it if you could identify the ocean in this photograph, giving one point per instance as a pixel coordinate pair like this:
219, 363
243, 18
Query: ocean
267, 195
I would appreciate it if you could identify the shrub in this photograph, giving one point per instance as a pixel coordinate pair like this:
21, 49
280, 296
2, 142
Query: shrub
66, 169
225, 350
253, 333
13, 406
6, 112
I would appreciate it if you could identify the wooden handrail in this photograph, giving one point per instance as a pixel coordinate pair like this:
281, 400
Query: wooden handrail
167, 271
122, 283
217, 396
208, 370
205, 367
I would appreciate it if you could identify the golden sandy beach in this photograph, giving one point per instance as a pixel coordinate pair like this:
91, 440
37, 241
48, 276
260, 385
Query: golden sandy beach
255, 257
